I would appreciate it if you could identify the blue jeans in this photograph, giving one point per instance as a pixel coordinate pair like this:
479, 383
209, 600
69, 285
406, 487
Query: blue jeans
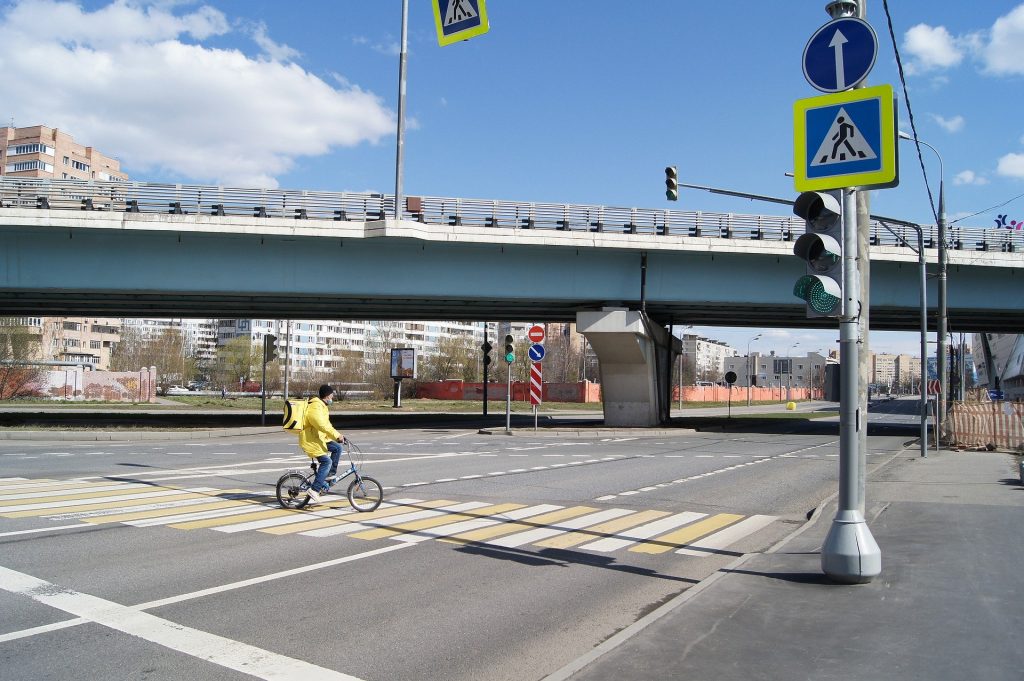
327, 465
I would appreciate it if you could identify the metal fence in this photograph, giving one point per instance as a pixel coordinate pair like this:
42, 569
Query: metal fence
182, 199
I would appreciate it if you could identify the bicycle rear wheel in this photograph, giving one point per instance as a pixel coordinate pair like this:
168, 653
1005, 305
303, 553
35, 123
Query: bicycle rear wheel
365, 494
292, 490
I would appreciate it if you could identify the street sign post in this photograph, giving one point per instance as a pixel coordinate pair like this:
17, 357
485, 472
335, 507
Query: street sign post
846, 139
840, 54
459, 20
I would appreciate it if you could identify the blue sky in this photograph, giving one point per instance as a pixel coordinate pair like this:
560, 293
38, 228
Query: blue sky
581, 101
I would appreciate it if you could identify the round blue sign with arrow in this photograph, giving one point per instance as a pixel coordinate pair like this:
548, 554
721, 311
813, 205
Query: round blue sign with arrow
536, 352
840, 54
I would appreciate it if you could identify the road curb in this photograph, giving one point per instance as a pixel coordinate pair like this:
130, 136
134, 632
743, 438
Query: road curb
127, 436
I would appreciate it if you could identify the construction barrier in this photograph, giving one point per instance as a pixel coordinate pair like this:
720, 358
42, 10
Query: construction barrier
1000, 424
719, 393
584, 391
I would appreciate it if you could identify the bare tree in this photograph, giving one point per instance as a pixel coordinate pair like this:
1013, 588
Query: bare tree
237, 361
17, 344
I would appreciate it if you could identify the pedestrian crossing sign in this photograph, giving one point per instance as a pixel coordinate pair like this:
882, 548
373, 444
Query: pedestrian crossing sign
846, 139
459, 20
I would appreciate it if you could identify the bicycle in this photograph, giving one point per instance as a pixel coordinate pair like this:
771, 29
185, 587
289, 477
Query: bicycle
364, 493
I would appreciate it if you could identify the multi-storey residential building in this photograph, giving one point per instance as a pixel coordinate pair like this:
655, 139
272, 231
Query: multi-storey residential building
200, 335
883, 370
908, 373
39, 151
87, 340
704, 358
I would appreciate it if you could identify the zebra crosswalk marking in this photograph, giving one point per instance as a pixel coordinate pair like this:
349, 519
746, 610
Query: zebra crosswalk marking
361, 523
67, 493
263, 514
81, 504
205, 502
518, 526
680, 537
326, 523
643, 532
725, 538
539, 533
570, 539
410, 520
502, 513
452, 514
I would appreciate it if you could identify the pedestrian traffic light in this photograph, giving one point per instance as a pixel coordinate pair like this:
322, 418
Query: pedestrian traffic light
671, 183
486, 347
269, 348
820, 246
510, 351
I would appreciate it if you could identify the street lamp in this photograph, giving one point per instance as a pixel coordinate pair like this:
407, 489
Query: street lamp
943, 259
789, 362
748, 366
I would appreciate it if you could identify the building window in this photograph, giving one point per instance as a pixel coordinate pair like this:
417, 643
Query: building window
78, 165
72, 326
95, 345
29, 149
22, 166
67, 161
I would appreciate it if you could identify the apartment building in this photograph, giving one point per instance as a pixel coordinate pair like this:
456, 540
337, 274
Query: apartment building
200, 335
85, 340
38, 151
704, 358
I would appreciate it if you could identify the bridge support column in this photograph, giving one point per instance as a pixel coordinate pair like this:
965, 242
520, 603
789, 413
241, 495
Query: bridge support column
636, 360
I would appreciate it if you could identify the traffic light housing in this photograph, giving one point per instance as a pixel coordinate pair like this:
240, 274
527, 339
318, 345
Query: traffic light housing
672, 183
486, 347
269, 348
510, 351
820, 246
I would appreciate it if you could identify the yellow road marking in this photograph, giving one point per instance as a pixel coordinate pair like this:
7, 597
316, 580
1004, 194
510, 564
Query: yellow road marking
233, 519
99, 506
354, 517
215, 503
530, 523
684, 535
425, 523
570, 539
84, 495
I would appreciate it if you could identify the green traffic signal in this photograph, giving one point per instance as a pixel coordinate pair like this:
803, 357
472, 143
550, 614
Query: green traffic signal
821, 294
510, 352
820, 247
672, 183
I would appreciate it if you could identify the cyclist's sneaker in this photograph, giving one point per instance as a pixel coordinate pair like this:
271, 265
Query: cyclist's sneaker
314, 497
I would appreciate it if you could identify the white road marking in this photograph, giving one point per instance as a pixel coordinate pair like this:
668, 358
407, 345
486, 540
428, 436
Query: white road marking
643, 532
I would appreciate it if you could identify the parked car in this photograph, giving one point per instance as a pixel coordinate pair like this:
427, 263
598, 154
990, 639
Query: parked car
176, 390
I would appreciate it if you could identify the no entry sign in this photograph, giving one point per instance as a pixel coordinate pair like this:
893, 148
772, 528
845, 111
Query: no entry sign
536, 333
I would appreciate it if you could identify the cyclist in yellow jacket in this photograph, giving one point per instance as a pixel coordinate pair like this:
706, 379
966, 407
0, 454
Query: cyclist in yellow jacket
321, 441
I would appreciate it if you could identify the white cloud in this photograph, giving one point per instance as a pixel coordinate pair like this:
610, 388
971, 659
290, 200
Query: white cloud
969, 177
1011, 165
120, 78
1002, 54
931, 47
276, 51
954, 124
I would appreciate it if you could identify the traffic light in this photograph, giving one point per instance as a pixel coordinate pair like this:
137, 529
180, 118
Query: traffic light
671, 183
486, 347
510, 351
821, 248
269, 348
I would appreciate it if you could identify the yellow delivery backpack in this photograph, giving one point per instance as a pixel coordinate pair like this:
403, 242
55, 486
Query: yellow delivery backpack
295, 415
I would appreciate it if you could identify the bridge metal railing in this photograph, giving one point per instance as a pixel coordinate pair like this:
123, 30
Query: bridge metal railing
183, 199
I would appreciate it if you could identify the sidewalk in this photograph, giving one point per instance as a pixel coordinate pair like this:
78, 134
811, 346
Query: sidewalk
947, 604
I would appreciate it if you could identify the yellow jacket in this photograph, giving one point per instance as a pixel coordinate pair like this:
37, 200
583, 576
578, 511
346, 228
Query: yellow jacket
318, 430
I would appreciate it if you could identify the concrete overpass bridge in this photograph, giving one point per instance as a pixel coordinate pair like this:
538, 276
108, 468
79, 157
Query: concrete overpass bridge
136, 249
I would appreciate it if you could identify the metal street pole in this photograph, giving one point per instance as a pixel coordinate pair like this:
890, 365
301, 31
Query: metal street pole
748, 366
850, 553
942, 360
789, 371
400, 152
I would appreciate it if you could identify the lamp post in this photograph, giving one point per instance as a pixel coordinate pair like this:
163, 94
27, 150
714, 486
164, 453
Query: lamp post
682, 358
789, 365
941, 358
748, 366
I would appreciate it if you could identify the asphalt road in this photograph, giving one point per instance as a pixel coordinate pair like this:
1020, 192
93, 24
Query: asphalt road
495, 557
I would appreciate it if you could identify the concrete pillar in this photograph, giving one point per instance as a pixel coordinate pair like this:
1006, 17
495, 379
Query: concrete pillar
635, 361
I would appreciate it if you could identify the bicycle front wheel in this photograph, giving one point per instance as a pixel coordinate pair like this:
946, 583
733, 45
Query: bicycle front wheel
292, 490
365, 494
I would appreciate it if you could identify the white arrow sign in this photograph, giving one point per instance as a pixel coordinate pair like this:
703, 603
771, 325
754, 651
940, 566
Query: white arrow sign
837, 42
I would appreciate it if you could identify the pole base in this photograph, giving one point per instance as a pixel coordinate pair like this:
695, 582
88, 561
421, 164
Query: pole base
850, 554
